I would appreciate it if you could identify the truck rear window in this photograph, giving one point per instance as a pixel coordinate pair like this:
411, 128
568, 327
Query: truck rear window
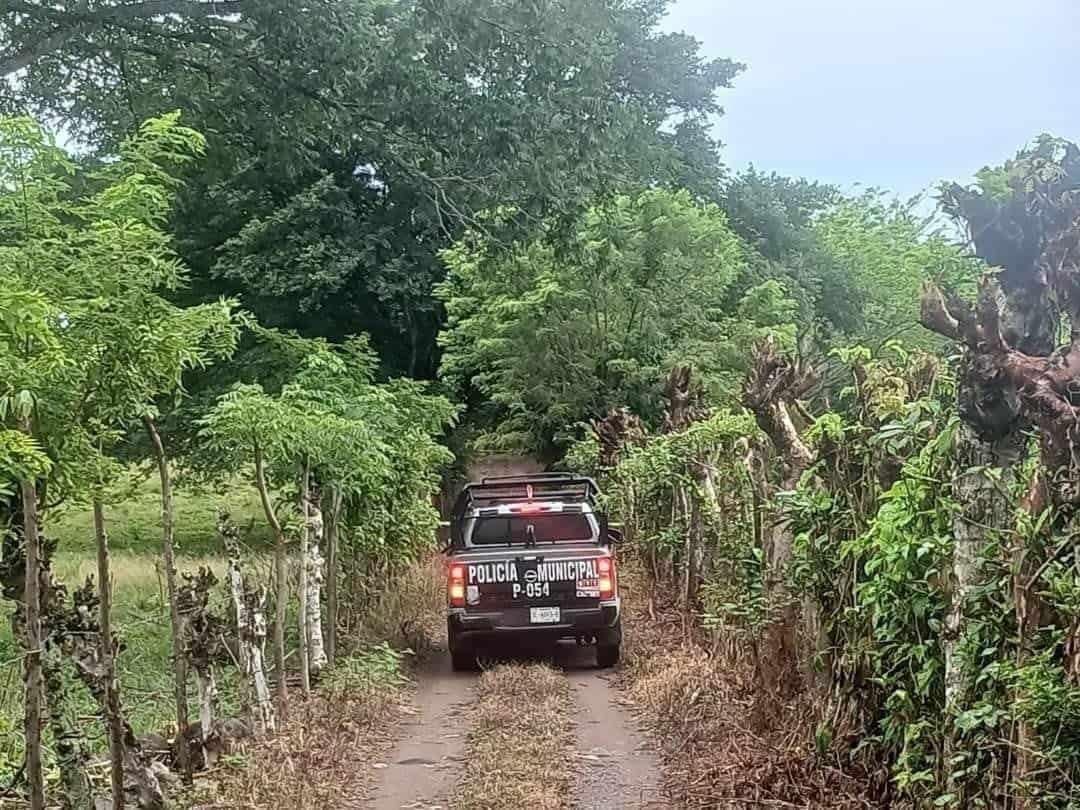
547, 529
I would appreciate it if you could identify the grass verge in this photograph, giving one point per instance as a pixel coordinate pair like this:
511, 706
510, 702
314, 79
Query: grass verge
716, 750
519, 745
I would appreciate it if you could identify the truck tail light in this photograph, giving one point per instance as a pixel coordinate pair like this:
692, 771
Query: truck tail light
457, 586
605, 566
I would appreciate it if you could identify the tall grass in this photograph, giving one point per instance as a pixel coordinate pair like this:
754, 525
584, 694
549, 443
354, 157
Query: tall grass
141, 616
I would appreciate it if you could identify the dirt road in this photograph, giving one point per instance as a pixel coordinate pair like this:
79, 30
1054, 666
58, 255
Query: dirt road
613, 765
421, 772
618, 769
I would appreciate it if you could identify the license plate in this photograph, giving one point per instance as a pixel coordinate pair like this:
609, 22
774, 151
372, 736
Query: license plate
544, 615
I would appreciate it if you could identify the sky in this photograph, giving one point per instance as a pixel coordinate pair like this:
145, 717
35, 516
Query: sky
897, 94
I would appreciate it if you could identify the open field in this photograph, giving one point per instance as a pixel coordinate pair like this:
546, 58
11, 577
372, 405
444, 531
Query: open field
141, 616
134, 524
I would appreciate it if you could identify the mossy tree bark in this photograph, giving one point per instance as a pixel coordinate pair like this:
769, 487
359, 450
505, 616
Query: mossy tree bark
772, 387
249, 606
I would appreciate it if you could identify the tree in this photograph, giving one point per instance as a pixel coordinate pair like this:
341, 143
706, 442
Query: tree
882, 252
775, 214
332, 428
351, 141
1023, 217
31, 356
91, 245
772, 390
557, 330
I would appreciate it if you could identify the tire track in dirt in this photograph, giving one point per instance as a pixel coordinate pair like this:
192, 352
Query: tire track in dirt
618, 769
615, 766
424, 765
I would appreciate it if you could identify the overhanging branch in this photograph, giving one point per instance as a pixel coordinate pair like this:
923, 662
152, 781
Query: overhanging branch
72, 23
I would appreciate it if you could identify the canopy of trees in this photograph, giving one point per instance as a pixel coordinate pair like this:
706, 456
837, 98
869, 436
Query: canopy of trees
350, 141
562, 328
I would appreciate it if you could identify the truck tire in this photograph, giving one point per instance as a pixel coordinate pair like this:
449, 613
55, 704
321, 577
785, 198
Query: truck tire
608, 646
463, 660
462, 655
607, 655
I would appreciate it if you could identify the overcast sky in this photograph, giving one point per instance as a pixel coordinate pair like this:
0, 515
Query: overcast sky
894, 93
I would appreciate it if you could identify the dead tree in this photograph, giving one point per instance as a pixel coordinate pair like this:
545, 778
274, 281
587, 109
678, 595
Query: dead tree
772, 389
686, 405
249, 605
615, 432
79, 636
1014, 376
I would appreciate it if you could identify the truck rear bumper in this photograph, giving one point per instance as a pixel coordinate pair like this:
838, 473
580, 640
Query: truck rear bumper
510, 623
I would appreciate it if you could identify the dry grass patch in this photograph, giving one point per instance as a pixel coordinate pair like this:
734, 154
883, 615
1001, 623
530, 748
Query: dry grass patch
321, 759
133, 570
520, 743
410, 611
704, 711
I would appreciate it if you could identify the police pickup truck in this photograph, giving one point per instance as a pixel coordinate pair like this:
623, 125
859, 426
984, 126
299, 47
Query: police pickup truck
531, 558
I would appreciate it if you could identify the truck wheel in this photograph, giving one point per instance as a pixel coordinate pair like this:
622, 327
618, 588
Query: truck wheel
463, 660
607, 655
462, 655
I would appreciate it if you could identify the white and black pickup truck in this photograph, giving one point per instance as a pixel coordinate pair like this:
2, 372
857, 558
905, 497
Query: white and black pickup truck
531, 559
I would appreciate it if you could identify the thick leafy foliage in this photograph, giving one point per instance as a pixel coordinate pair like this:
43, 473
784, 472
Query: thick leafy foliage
90, 342
554, 331
350, 140
375, 444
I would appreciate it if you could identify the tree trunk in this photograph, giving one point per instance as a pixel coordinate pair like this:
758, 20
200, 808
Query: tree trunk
690, 550
332, 539
984, 508
281, 582
305, 543
314, 568
203, 634
208, 705
113, 722
68, 739
704, 510
248, 605
32, 667
168, 558
773, 384
79, 636
1010, 378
